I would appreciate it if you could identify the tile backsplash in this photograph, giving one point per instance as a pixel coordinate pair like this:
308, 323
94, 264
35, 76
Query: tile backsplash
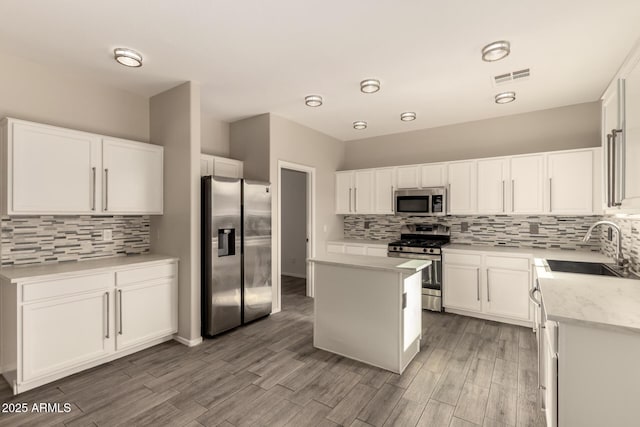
50, 239
527, 231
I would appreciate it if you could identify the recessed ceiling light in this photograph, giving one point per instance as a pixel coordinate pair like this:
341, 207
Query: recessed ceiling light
313, 100
370, 85
408, 116
359, 125
505, 97
127, 57
496, 51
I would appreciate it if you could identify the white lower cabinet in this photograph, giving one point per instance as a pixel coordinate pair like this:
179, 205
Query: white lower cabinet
507, 293
463, 287
55, 326
64, 332
137, 322
484, 285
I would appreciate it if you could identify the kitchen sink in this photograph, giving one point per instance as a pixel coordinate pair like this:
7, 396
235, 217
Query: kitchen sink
583, 268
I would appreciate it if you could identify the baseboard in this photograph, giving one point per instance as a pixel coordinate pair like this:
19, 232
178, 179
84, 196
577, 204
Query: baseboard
526, 323
189, 343
299, 276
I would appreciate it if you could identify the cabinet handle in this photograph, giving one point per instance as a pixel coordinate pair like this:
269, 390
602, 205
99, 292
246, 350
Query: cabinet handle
618, 169
503, 182
106, 294
349, 199
449, 199
478, 283
120, 310
106, 189
610, 160
488, 295
355, 199
393, 208
513, 184
550, 194
93, 193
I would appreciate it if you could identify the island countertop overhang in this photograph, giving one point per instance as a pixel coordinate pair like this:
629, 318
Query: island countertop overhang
399, 265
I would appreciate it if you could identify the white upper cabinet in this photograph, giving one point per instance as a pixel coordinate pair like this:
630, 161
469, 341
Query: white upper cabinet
57, 171
565, 182
631, 136
527, 184
132, 177
384, 187
570, 182
344, 192
363, 191
227, 167
462, 187
408, 176
434, 175
621, 138
220, 166
493, 175
206, 165
49, 170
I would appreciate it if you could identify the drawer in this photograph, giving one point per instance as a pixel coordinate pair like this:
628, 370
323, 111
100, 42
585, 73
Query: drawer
143, 274
463, 259
335, 248
354, 249
376, 251
508, 263
66, 286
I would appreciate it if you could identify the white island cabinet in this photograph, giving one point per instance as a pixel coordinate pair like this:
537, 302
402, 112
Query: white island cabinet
59, 319
368, 308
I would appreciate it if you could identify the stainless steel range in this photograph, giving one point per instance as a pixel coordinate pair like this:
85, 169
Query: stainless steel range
423, 241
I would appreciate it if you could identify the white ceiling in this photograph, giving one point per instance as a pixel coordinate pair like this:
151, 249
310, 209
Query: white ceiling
257, 56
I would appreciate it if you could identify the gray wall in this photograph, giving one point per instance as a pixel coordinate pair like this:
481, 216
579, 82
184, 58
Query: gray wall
214, 136
48, 95
294, 222
175, 124
292, 142
249, 142
574, 126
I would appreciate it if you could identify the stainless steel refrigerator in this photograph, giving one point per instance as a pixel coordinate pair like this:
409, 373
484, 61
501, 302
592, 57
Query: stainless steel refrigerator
236, 253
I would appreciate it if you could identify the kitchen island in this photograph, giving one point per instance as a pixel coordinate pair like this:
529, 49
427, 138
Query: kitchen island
368, 308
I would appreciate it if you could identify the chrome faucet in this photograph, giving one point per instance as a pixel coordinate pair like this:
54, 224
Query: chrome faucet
620, 261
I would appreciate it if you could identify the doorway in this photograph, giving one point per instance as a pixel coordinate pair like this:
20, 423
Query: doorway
295, 233
293, 270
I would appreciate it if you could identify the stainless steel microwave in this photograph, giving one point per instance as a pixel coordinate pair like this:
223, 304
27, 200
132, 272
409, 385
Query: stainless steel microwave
421, 202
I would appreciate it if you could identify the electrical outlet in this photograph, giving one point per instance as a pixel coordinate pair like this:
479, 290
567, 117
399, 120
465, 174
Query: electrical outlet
464, 227
107, 235
534, 228
367, 225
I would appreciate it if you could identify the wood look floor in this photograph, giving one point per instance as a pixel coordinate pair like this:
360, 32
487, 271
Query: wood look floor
468, 372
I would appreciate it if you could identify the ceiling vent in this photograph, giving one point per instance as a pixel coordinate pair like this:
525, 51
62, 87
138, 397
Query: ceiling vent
511, 77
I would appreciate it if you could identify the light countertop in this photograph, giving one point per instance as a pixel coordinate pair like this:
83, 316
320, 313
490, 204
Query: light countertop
590, 300
565, 255
360, 242
24, 273
399, 265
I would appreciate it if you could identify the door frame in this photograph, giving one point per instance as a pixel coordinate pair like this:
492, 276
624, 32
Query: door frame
311, 221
